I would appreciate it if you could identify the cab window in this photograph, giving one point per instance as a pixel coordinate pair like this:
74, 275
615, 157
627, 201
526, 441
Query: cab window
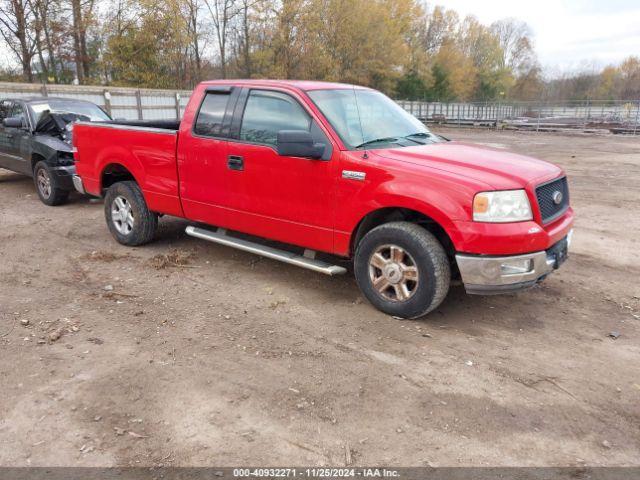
268, 112
211, 114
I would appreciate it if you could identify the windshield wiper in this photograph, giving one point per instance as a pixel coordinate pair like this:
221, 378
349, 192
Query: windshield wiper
412, 136
419, 134
377, 140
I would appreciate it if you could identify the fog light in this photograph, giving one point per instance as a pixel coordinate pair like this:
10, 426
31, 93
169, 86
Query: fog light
514, 267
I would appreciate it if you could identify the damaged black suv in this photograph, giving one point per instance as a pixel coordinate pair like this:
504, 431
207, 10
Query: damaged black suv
35, 139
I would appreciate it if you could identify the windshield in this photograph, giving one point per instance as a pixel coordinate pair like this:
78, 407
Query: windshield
369, 118
87, 109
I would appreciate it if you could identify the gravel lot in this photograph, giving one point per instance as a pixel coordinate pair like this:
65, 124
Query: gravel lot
188, 353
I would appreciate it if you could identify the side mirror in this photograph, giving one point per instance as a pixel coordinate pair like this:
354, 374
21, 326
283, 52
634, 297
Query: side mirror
298, 143
13, 122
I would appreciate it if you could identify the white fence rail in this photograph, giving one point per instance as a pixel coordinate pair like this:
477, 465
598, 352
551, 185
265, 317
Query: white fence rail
128, 103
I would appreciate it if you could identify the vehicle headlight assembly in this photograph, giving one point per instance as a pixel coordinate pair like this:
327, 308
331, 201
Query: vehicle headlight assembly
502, 206
68, 133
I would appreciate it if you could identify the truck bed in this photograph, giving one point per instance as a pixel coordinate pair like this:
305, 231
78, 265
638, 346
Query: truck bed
147, 148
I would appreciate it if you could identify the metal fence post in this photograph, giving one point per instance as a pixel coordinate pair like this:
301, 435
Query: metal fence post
538, 123
635, 127
43, 89
107, 101
139, 104
178, 114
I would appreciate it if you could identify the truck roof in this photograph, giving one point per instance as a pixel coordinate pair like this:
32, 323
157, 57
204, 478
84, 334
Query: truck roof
305, 85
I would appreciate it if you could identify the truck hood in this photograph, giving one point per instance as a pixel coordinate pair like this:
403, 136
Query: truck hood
499, 169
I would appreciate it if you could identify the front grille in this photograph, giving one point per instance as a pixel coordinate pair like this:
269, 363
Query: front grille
547, 195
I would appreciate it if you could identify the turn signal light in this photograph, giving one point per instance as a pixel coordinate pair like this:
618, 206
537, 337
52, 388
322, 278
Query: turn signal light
480, 204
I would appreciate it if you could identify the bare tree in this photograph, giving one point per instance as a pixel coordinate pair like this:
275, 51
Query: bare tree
194, 33
222, 13
244, 36
16, 17
81, 18
514, 37
43, 15
77, 22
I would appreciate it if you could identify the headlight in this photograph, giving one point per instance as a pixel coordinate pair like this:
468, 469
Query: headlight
65, 158
501, 207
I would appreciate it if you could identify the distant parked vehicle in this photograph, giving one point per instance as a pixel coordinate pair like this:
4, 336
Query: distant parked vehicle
35, 140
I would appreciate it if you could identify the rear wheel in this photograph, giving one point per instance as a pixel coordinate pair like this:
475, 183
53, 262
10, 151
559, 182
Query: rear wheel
402, 269
129, 219
47, 186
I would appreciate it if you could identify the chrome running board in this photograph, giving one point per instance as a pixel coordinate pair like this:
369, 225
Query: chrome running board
305, 261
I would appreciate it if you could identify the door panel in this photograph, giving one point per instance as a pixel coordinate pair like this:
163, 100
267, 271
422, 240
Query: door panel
283, 198
288, 199
21, 141
18, 142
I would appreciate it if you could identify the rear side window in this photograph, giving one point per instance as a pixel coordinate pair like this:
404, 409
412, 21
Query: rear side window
266, 113
211, 114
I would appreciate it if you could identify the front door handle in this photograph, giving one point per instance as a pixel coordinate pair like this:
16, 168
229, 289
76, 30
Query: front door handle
235, 162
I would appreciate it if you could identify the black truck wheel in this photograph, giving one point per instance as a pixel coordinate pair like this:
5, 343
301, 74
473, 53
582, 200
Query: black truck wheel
47, 186
129, 219
402, 269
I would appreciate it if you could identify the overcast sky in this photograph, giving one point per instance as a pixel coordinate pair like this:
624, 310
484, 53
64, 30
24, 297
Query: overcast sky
569, 34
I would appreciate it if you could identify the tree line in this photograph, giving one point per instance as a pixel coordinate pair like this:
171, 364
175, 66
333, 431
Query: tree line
402, 47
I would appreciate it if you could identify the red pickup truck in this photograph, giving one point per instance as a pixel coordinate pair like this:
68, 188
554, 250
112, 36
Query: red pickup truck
339, 169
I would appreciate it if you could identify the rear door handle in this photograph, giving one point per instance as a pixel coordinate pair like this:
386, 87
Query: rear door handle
235, 162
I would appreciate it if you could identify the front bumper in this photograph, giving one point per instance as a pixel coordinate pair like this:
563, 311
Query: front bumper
490, 275
65, 176
501, 239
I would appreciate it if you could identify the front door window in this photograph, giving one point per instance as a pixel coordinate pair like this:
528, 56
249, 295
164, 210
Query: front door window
268, 112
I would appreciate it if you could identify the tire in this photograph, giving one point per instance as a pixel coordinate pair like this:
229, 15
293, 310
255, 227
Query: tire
409, 275
47, 185
138, 224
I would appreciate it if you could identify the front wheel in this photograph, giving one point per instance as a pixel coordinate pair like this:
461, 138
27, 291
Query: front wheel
47, 186
129, 219
402, 269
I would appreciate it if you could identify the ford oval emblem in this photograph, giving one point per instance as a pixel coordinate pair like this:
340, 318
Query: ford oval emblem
557, 197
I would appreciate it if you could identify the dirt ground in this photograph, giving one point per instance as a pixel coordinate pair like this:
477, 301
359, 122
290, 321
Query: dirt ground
188, 353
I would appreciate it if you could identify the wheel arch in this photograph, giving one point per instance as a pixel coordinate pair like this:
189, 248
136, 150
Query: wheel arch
384, 215
114, 172
35, 158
